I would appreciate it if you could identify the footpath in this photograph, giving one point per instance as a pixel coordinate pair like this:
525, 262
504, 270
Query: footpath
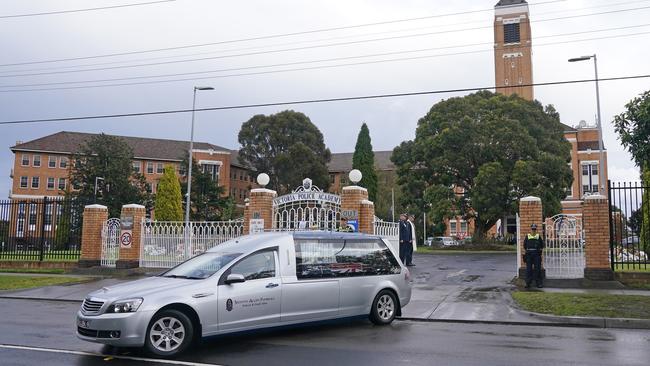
466, 288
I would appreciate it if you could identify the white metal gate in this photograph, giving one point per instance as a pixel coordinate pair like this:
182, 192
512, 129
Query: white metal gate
307, 208
564, 256
110, 242
167, 243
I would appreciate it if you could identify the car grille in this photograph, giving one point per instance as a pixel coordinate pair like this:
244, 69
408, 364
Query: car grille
91, 307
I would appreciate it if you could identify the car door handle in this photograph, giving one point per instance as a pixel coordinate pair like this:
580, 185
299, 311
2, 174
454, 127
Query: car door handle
272, 285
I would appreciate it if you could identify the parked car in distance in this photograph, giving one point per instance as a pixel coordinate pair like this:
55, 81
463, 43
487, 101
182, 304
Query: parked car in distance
248, 283
443, 241
429, 241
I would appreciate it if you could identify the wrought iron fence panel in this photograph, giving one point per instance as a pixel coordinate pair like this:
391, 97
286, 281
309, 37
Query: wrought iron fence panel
164, 242
629, 225
387, 230
564, 255
47, 229
110, 242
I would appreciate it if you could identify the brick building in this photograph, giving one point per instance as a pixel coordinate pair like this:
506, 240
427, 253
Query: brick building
42, 166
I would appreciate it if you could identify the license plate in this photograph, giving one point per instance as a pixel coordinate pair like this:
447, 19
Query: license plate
83, 323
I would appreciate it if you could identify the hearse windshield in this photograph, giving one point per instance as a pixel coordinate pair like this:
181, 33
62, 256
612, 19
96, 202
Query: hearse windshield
202, 266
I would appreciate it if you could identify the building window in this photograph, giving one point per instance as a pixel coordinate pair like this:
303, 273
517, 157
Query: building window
149, 167
32, 217
20, 225
212, 169
344, 179
36, 182
511, 33
62, 184
37, 160
463, 227
51, 161
63, 162
47, 219
453, 228
332, 178
137, 166
589, 178
160, 168
24, 181
24, 160
50, 183
182, 170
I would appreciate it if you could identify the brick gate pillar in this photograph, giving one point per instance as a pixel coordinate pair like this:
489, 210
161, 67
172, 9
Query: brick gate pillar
530, 212
595, 221
366, 217
355, 198
132, 216
260, 207
94, 217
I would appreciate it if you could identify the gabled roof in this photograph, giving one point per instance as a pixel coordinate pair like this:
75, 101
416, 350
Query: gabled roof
66, 142
568, 128
342, 162
510, 2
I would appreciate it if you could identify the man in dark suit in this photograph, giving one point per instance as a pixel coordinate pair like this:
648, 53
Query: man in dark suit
405, 238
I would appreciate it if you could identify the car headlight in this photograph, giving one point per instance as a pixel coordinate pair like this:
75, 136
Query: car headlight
125, 306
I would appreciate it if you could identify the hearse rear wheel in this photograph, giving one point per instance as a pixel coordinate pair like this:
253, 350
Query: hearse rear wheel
384, 308
170, 332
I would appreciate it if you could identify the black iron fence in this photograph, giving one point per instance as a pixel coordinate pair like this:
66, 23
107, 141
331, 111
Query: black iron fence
40, 230
629, 225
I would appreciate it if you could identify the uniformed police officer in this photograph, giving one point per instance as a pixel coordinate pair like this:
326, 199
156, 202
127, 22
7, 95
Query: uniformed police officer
533, 245
405, 238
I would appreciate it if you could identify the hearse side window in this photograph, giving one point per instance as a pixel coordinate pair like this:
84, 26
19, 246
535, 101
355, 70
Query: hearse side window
256, 266
350, 258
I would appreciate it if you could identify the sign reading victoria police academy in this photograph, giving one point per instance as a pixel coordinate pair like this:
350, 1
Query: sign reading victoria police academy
308, 196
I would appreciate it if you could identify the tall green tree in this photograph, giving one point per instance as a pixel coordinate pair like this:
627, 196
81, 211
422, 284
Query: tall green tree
364, 160
633, 128
208, 200
288, 147
110, 158
168, 197
475, 156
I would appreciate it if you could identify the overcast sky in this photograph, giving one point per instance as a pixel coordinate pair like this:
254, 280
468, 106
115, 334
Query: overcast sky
391, 121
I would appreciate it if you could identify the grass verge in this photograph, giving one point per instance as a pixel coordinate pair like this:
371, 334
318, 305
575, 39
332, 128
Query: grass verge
25, 282
33, 270
593, 305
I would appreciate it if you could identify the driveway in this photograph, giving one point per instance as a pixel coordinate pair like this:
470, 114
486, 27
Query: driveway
463, 287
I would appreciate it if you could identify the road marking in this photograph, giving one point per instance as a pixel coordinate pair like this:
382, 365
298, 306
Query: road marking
119, 357
455, 274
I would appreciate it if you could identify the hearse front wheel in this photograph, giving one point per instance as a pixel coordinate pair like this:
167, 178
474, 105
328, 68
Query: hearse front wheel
170, 333
384, 308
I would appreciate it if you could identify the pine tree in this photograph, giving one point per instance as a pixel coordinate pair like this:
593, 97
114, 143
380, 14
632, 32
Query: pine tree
168, 197
364, 160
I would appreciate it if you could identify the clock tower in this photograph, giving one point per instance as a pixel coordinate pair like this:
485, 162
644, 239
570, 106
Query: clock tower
512, 49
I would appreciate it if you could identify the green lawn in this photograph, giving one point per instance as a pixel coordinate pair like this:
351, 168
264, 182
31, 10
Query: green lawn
24, 282
631, 267
33, 270
51, 256
595, 305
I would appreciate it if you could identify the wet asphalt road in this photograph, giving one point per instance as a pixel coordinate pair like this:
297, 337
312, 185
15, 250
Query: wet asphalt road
49, 325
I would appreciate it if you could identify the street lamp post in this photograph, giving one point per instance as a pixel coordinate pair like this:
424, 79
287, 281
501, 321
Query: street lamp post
189, 169
97, 179
601, 162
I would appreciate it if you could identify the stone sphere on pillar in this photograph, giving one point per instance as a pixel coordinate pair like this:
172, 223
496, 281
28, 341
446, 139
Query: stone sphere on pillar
355, 176
263, 179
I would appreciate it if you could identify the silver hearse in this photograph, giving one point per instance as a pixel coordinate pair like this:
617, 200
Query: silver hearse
252, 282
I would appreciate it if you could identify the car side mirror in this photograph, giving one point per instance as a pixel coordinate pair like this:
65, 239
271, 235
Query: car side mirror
234, 278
